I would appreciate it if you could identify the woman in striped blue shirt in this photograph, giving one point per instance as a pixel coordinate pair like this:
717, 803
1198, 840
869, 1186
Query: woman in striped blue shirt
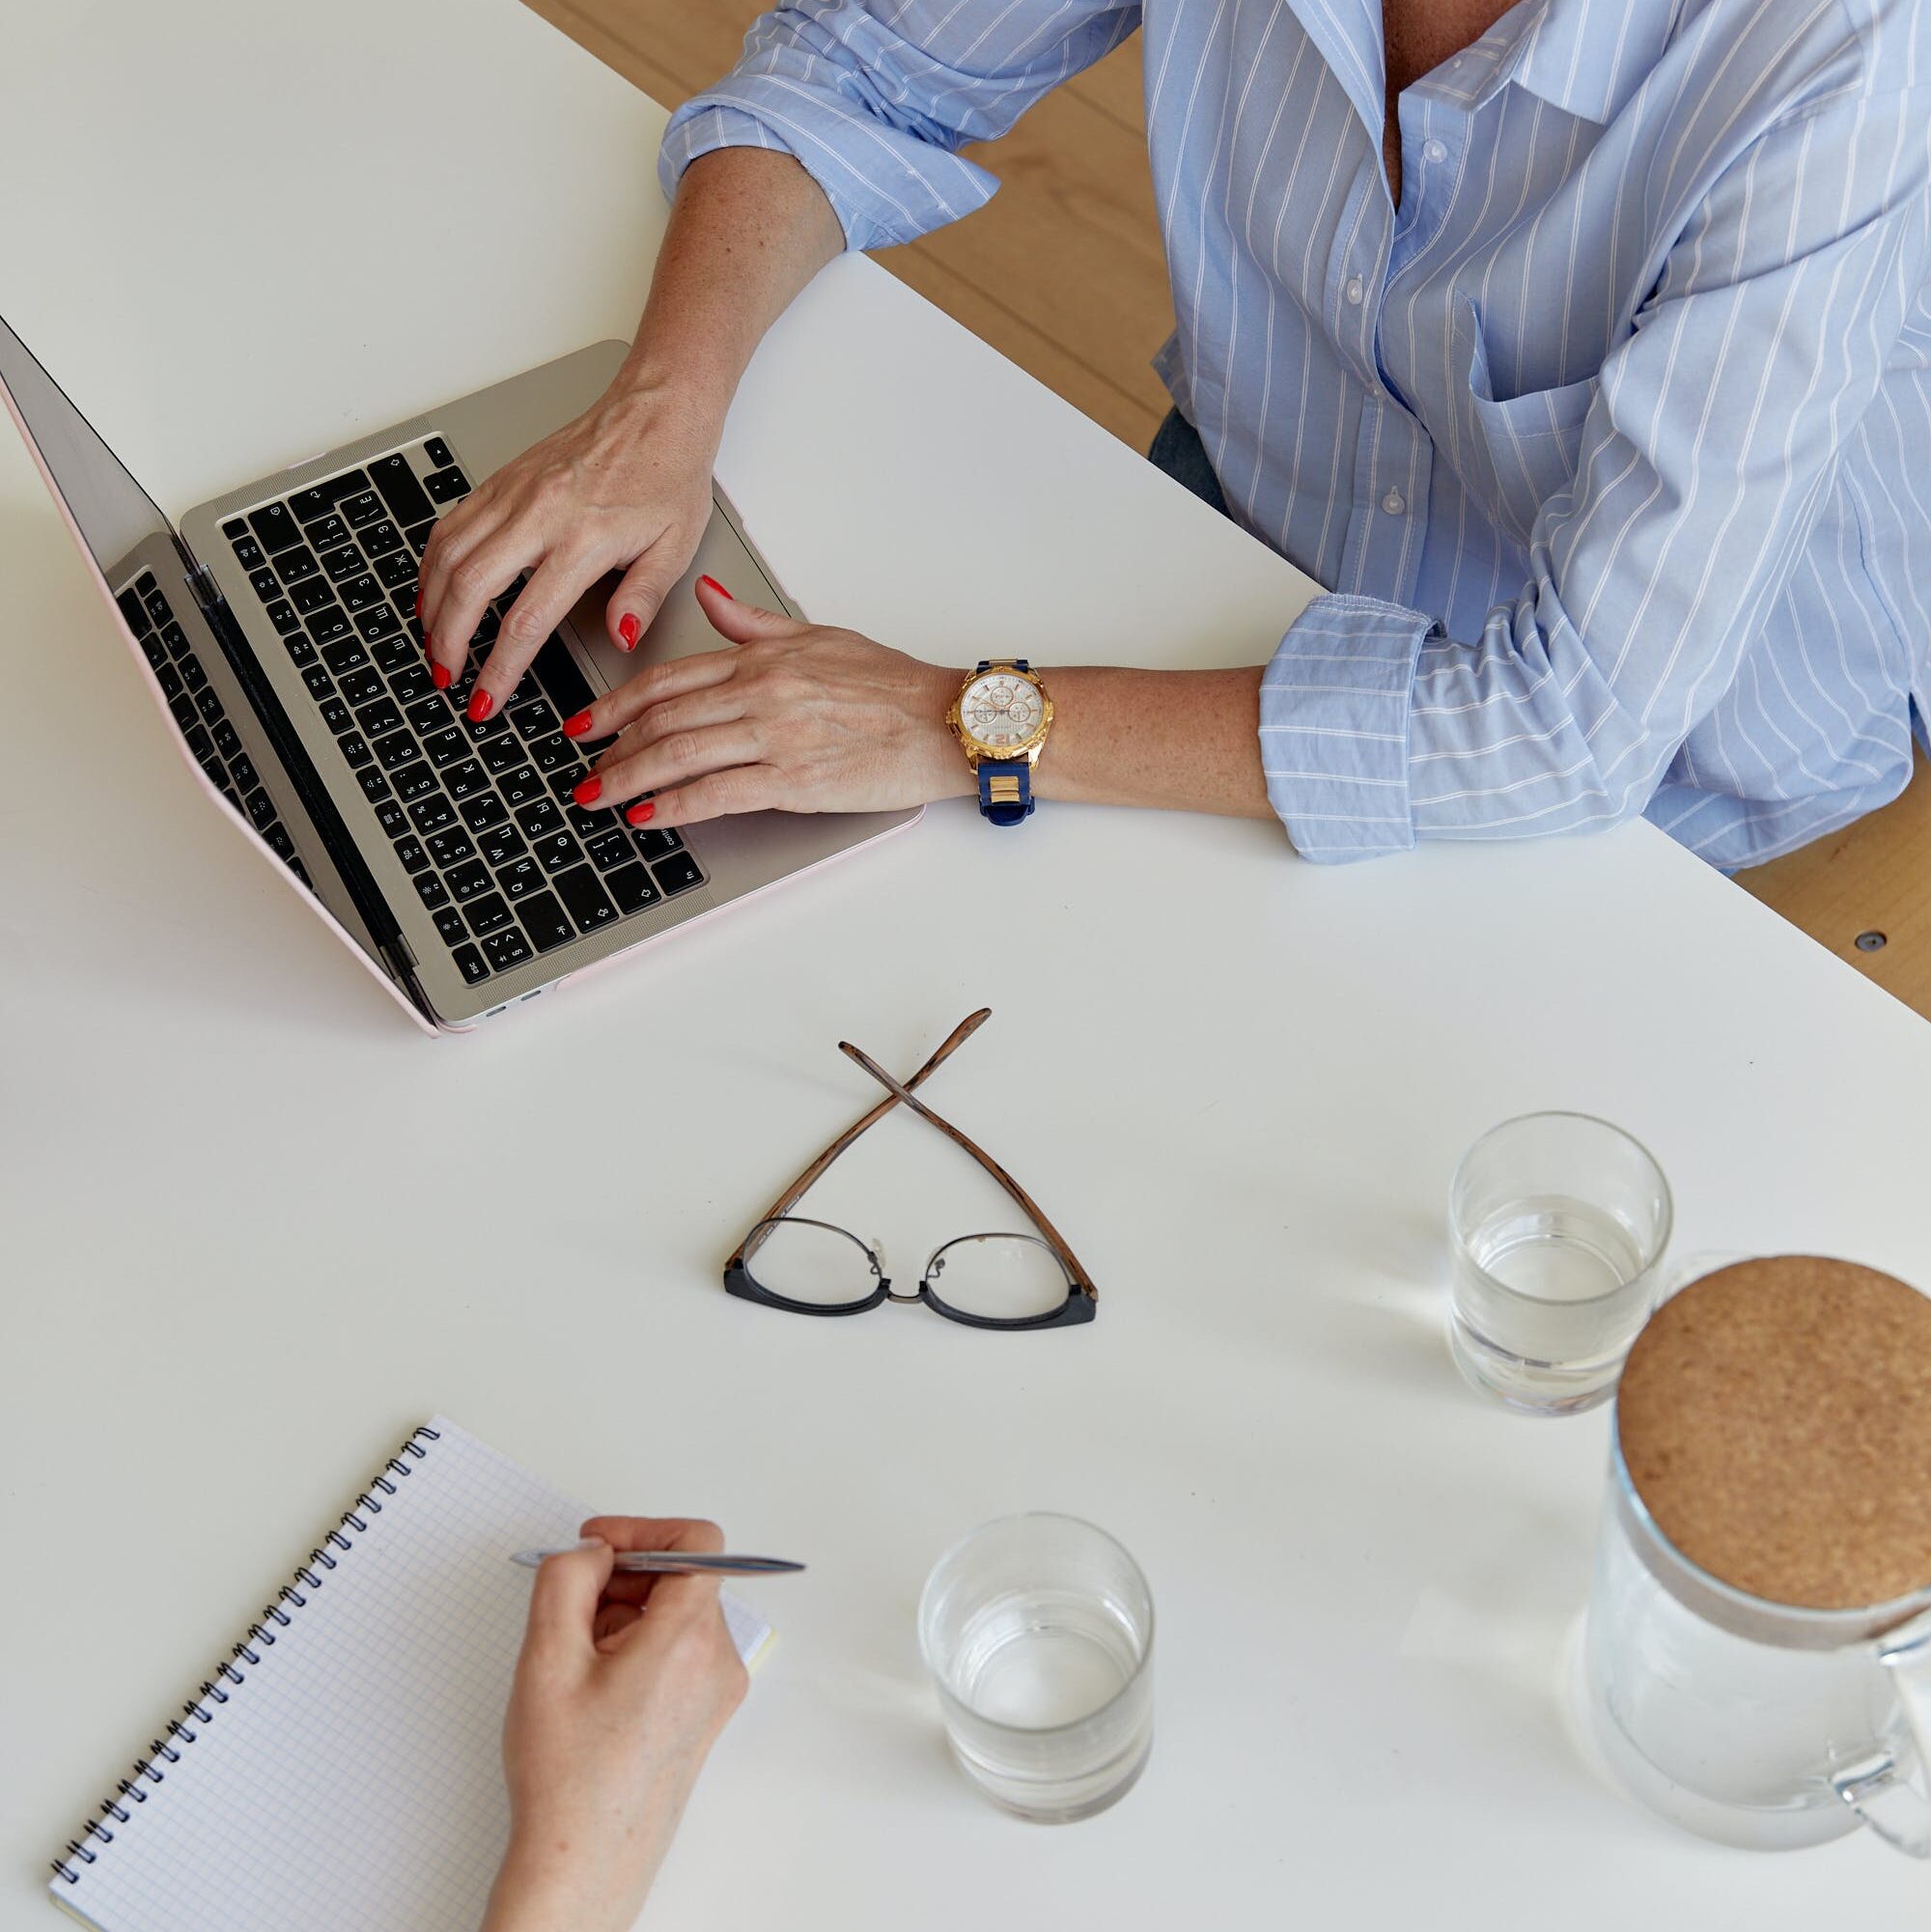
1581, 349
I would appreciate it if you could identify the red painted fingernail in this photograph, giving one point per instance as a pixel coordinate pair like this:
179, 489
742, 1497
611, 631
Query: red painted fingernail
419, 603
590, 790
718, 588
481, 705
578, 726
641, 813
440, 676
629, 630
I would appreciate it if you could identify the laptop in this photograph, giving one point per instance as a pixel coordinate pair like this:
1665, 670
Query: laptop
275, 626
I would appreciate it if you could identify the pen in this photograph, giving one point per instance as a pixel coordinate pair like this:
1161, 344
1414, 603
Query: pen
677, 1563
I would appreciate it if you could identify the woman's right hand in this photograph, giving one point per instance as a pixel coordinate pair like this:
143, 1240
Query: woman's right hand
626, 487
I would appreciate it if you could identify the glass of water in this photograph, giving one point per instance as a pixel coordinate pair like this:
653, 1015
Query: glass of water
1557, 1223
1038, 1631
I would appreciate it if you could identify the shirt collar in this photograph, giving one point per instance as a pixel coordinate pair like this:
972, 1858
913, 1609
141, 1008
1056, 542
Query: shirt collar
1585, 57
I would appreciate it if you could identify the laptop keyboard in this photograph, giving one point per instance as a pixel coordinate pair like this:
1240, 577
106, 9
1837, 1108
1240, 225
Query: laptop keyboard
212, 738
480, 814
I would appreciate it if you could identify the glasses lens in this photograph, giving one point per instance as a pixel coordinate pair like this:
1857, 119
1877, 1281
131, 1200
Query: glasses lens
806, 1261
999, 1278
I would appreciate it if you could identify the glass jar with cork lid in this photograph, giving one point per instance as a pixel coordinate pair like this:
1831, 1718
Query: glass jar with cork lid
1758, 1639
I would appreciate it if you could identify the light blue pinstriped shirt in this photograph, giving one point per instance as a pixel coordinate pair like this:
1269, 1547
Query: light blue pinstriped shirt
1613, 443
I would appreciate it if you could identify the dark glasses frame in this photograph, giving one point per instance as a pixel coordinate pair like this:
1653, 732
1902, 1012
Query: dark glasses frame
1082, 1297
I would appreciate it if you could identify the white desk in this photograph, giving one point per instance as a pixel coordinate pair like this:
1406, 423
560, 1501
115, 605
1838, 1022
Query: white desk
257, 1228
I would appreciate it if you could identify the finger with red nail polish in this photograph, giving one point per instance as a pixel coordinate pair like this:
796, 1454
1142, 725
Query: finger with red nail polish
576, 726
440, 676
481, 705
629, 630
641, 813
590, 790
711, 583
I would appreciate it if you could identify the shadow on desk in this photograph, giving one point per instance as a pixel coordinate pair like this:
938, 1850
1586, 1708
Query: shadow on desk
1871, 879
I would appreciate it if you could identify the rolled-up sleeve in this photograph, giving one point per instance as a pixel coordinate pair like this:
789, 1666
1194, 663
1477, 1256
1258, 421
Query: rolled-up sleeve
1712, 440
876, 113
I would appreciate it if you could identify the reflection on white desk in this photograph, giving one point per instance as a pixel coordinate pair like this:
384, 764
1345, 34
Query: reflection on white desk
251, 1221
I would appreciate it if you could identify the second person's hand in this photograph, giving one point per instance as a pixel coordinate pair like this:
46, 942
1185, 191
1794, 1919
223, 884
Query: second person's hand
626, 487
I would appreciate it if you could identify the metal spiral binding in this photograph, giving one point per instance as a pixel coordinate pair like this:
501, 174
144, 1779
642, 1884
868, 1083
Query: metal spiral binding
206, 1705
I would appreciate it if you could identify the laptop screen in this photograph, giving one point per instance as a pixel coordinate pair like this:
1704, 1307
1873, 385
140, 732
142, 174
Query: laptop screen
113, 511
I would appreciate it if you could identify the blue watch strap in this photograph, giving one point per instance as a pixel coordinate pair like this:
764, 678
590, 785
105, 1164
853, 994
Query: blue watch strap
1005, 784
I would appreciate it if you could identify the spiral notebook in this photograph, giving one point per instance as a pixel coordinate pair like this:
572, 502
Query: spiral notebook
341, 1766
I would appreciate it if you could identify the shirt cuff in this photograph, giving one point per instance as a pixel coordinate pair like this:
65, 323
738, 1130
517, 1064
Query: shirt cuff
1335, 704
897, 189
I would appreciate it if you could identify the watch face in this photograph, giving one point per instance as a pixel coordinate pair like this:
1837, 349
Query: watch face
1001, 709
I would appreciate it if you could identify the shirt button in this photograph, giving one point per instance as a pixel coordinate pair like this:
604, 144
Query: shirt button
1353, 289
1394, 503
1434, 151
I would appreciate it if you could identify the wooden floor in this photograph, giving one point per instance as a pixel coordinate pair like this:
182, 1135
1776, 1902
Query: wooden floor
1063, 274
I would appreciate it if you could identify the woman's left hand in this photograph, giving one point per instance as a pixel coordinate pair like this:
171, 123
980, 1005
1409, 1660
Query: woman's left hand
786, 715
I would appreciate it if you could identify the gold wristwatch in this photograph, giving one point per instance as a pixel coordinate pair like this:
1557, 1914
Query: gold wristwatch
1000, 718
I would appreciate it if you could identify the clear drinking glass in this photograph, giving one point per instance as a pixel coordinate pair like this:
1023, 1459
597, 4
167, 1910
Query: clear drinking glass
1557, 1223
1038, 1631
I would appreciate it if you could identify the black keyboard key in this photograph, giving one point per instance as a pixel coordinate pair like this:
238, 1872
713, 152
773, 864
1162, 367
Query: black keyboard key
539, 819
678, 872
431, 714
445, 485
343, 562
410, 849
399, 748
389, 816
501, 844
469, 963
295, 564
484, 810
302, 652
631, 888
241, 770
401, 491
520, 878
378, 621
468, 881
398, 656
344, 655
411, 681
609, 849
356, 748
276, 527
396, 572
326, 626
482, 730
227, 740
375, 789
431, 890
267, 586
487, 627
522, 786
505, 950
533, 717
364, 507
176, 639
445, 748
451, 848
282, 615
488, 915
567, 689
312, 595
336, 715
156, 655
556, 754
544, 921
653, 841
359, 593
198, 746
193, 676
380, 539
169, 677
465, 779
320, 684
131, 611
207, 704
504, 754
431, 813
449, 923
326, 531
556, 850
280, 843
234, 529
363, 685
156, 602
248, 553
414, 781
589, 825
417, 536
260, 806
378, 718
585, 901
300, 871
438, 453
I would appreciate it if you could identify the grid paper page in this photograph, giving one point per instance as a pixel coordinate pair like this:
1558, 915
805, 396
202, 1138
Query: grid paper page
353, 1777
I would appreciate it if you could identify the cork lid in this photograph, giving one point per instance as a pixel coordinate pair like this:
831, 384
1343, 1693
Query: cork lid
1776, 1420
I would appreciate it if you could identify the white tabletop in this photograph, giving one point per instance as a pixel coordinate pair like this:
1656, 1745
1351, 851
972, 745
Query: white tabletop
257, 1228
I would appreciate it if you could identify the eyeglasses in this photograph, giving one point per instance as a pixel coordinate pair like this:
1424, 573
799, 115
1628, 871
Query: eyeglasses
991, 1280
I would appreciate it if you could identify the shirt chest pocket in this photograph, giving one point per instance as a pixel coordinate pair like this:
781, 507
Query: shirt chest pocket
1515, 452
